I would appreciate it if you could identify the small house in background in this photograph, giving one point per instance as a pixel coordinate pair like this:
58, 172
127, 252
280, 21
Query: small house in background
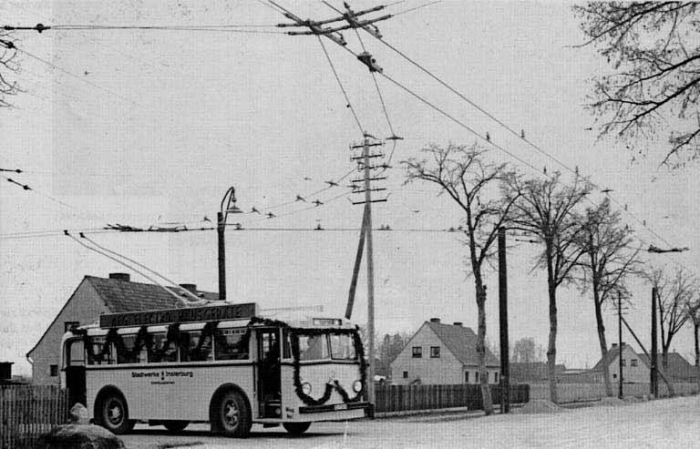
678, 369
635, 368
93, 297
533, 372
442, 354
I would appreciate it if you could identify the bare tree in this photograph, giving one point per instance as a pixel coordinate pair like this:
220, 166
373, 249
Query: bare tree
524, 351
8, 66
545, 209
473, 184
606, 263
694, 316
675, 294
654, 49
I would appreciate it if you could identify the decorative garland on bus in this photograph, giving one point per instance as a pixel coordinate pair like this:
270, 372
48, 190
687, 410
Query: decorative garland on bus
298, 388
143, 339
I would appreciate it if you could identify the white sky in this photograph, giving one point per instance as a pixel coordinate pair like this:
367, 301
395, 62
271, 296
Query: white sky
146, 127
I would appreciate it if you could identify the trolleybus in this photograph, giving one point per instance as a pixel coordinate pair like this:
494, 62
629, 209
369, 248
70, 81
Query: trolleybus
220, 364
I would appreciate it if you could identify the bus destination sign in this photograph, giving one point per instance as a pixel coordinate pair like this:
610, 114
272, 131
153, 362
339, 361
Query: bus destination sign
184, 315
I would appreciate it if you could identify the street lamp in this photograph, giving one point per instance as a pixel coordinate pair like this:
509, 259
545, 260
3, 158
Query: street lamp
229, 200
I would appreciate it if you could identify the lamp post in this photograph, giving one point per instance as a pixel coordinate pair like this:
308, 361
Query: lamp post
229, 200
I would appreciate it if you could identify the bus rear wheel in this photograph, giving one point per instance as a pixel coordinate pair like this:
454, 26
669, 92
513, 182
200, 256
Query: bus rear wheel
175, 426
113, 414
296, 428
232, 415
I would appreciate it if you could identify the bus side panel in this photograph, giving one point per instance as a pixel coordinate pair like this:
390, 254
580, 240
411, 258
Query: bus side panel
174, 392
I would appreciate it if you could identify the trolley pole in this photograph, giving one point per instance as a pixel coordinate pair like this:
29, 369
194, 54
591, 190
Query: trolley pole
503, 320
370, 269
619, 338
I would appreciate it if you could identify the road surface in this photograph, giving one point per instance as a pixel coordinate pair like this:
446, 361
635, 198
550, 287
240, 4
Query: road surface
669, 423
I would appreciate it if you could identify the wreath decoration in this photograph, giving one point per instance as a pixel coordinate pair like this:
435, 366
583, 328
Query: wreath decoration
298, 389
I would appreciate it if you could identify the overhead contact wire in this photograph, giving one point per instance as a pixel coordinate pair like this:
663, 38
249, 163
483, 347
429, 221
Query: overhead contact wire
340, 84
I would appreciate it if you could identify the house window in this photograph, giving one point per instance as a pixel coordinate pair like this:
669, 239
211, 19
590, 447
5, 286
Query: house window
633, 362
435, 352
476, 377
624, 362
466, 377
614, 376
53, 370
68, 325
405, 374
495, 378
417, 352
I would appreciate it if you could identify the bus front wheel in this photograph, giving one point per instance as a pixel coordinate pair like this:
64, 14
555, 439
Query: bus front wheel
113, 414
233, 417
296, 428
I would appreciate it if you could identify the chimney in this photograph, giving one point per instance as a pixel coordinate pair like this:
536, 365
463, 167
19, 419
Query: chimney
458, 323
120, 276
192, 288
435, 320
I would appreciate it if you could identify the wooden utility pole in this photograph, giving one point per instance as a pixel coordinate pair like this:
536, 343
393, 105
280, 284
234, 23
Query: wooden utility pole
503, 321
619, 340
366, 242
654, 377
370, 270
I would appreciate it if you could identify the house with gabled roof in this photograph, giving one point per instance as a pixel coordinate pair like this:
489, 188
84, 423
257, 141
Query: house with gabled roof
95, 296
442, 354
677, 368
635, 367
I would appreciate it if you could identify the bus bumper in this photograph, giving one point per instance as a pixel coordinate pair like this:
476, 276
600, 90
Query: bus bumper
334, 411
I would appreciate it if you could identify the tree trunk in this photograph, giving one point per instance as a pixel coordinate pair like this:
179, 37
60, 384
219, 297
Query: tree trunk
481, 346
696, 326
552, 345
603, 346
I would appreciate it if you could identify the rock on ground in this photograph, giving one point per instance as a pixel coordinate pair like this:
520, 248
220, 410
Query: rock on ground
79, 436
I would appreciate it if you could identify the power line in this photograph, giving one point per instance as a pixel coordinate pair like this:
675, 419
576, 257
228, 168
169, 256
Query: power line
468, 128
508, 128
345, 94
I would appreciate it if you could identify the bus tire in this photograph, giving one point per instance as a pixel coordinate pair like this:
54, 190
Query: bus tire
175, 426
296, 428
231, 414
112, 413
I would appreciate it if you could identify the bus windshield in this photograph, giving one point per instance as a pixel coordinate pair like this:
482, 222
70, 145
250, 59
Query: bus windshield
317, 347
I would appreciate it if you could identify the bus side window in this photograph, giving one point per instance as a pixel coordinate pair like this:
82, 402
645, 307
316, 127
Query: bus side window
231, 344
127, 355
190, 348
102, 352
158, 354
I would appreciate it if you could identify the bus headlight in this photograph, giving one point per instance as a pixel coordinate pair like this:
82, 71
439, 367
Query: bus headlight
357, 386
306, 388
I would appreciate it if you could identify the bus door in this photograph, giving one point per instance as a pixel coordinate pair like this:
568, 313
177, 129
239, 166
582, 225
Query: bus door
75, 371
269, 373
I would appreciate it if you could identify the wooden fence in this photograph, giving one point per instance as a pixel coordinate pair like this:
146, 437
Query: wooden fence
570, 392
27, 411
399, 398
